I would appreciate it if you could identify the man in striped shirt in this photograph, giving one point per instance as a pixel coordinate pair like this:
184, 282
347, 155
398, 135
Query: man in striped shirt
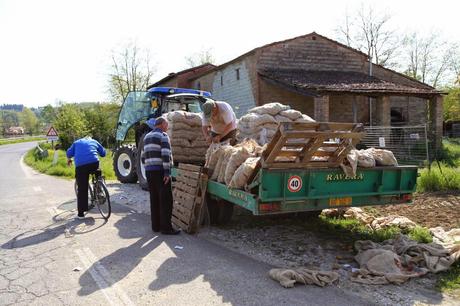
158, 160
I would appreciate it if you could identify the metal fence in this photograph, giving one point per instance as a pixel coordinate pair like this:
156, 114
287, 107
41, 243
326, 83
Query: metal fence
409, 144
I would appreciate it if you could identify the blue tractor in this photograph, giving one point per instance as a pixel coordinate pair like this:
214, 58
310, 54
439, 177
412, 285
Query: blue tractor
139, 106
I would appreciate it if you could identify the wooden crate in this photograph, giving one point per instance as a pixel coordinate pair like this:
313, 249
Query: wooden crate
188, 193
309, 145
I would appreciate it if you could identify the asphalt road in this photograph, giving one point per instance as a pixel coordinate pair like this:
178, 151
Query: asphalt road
48, 258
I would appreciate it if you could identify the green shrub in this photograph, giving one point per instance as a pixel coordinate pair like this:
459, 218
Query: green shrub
61, 169
420, 234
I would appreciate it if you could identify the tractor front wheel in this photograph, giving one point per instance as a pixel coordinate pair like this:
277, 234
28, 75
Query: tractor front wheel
124, 161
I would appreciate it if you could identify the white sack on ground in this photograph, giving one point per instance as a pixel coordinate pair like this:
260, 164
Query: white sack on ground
450, 240
288, 277
241, 176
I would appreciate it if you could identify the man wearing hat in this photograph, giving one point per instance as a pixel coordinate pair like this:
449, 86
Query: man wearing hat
158, 160
219, 122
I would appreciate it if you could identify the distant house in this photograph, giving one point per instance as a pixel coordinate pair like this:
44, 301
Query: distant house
325, 79
15, 131
184, 78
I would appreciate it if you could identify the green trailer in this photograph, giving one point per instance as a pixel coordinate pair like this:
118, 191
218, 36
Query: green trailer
300, 172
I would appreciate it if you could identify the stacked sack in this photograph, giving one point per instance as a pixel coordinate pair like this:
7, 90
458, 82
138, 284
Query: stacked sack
261, 122
368, 158
187, 140
229, 164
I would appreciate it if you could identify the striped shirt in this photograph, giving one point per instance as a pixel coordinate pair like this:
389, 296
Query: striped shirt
157, 152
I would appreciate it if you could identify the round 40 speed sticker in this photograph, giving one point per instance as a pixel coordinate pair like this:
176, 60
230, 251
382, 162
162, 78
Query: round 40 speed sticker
294, 183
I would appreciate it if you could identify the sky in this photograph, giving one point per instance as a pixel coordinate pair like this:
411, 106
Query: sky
59, 50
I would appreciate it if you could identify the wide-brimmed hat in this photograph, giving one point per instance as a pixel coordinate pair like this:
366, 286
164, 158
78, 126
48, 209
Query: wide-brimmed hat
207, 109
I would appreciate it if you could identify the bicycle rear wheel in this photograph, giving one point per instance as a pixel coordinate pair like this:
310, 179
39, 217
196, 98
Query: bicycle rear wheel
102, 199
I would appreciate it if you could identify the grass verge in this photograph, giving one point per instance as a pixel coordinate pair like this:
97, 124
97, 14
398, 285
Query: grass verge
61, 169
27, 139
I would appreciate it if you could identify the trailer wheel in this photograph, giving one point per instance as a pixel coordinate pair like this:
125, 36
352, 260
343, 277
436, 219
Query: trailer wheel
124, 164
220, 211
140, 168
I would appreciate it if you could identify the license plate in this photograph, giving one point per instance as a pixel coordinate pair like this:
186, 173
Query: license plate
333, 202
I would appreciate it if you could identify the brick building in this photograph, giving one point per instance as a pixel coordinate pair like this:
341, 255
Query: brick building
322, 78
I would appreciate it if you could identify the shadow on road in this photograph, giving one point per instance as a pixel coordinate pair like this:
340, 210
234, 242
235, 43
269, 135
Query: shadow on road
64, 223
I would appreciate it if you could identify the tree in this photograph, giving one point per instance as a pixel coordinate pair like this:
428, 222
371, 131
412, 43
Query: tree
131, 70
9, 119
452, 105
103, 118
200, 58
427, 58
70, 123
29, 121
370, 32
48, 114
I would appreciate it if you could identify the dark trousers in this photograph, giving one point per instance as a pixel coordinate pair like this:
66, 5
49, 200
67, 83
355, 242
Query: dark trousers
161, 201
82, 177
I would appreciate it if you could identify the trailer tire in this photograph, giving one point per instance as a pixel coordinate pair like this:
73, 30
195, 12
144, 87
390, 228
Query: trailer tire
140, 168
124, 164
220, 211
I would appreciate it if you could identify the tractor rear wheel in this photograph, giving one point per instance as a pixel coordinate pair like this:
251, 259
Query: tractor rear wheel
124, 161
140, 168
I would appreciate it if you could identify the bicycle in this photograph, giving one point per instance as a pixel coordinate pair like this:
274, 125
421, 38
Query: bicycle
98, 193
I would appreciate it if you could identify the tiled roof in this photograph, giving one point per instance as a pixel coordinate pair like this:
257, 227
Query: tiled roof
341, 82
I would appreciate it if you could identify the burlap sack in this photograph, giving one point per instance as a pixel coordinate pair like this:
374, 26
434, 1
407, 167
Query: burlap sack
241, 176
365, 159
291, 114
269, 108
252, 121
216, 161
226, 157
280, 118
190, 119
305, 119
383, 157
180, 142
238, 156
221, 160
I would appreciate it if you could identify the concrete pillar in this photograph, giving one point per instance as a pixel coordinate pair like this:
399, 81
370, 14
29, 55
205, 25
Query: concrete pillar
436, 123
383, 111
321, 108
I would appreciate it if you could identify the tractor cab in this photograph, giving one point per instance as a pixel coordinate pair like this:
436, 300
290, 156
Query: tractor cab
141, 105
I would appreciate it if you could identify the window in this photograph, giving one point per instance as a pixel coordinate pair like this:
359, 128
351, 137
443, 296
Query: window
221, 80
237, 73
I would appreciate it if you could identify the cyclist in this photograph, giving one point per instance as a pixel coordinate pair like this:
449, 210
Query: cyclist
85, 152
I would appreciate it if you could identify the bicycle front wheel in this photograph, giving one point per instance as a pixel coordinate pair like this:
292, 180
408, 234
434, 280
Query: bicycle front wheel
103, 199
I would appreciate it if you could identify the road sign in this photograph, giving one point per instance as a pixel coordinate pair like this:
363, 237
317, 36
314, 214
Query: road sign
294, 183
52, 134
